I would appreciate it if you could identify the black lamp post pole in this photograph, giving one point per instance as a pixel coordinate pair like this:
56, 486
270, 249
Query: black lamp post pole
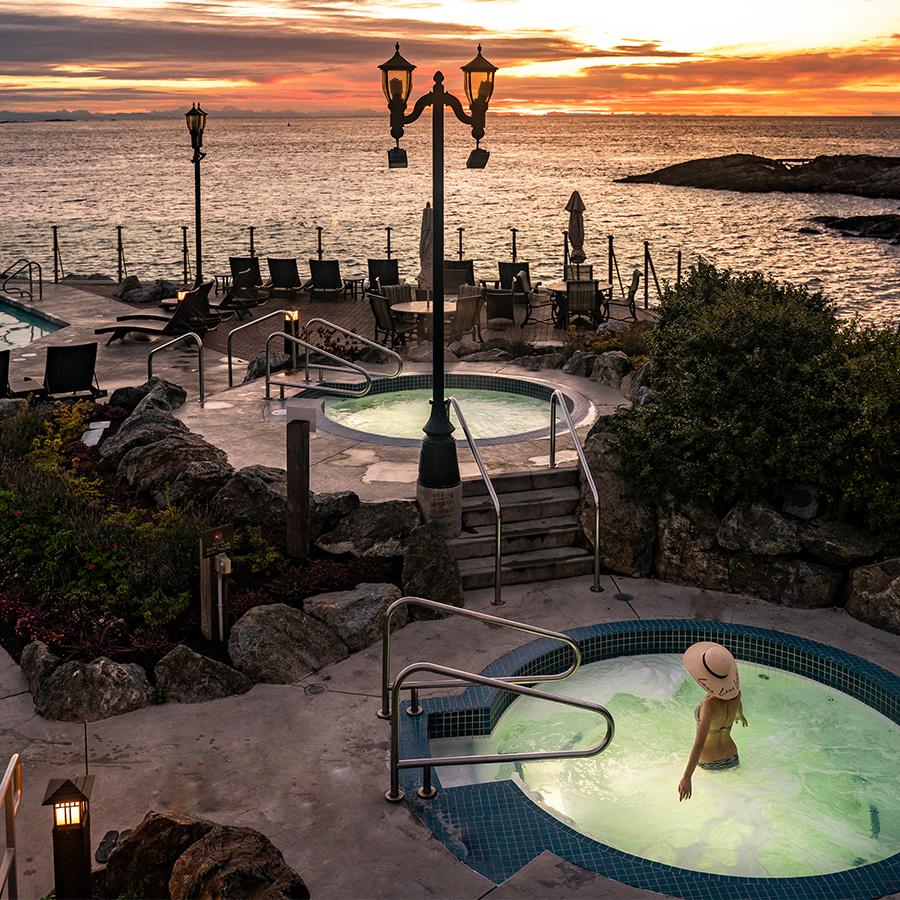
438, 464
199, 251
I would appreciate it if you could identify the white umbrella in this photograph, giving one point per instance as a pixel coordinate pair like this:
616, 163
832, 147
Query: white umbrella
426, 248
575, 208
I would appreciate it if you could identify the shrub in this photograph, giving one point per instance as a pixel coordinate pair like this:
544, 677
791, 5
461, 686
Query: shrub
758, 386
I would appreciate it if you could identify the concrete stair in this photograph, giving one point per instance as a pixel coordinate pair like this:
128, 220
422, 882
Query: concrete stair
541, 536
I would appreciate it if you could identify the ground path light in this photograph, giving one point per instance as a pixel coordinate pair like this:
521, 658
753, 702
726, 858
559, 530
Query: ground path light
439, 490
70, 798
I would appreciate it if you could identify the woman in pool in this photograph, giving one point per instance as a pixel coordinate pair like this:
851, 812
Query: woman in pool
715, 670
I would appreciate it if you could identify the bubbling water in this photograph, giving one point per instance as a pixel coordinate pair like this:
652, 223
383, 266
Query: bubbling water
816, 790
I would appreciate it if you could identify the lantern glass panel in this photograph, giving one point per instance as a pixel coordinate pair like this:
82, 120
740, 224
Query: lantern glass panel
397, 83
478, 86
68, 813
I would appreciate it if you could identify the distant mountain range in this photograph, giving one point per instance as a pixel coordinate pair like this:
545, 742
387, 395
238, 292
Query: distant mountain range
229, 112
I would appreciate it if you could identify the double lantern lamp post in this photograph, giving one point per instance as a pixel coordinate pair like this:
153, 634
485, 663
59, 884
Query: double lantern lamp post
196, 122
439, 489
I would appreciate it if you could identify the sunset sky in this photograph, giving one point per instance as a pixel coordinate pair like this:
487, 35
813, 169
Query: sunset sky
808, 57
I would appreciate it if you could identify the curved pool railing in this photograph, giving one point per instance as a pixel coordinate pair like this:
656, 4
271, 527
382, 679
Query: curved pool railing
344, 367
449, 610
427, 763
560, 398
356, 337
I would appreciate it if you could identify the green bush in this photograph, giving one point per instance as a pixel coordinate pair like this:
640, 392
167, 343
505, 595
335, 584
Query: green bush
759, 386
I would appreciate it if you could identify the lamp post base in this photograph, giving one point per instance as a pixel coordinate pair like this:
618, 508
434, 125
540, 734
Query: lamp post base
443, 506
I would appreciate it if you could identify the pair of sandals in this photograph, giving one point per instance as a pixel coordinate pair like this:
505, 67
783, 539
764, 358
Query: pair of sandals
110, 840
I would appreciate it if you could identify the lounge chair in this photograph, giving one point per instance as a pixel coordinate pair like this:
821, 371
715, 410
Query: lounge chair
326, 282
499, 304
69, 374
5, 389
388, 324
240, 264
284, 280
383, 273
242, 296
185, 318
458, 272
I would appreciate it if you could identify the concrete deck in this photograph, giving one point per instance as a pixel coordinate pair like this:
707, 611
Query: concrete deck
251, 430
310, 771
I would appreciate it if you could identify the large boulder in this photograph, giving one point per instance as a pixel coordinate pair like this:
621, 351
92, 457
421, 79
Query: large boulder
177, 469
189, 677
129, 283
255, 496
873, 594
256, 368
801, 502
161, 394
424, 352
326, 510
85, 692
373, 529
464, 347
837, 543
686, 549
278, 644
38, 663
140, 430
538, 361
603, 424
758, 529
141, 865
636, 384
430, 571
610, 368
581, 363
494, 355
627, 527
791, 582
161, 289
230, 863
357, 616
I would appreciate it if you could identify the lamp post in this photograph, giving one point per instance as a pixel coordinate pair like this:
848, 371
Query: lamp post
439, 489
71, 835
196, 122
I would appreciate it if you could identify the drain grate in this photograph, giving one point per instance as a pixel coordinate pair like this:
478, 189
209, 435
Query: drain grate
625, 598
315, 688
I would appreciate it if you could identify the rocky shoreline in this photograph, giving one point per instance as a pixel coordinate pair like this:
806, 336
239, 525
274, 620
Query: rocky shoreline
862, 176
883, 228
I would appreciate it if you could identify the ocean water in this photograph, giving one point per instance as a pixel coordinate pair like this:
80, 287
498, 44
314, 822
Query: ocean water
286, 178
816, 790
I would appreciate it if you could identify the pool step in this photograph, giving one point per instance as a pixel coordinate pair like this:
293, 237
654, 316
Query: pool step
526, 536
516, 482
518, 506
521, 568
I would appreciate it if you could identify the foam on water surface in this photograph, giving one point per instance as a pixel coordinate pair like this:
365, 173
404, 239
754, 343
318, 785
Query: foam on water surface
816, 792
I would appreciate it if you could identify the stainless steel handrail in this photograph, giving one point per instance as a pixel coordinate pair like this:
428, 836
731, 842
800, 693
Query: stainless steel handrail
234, 331
427, 763
346, 367
181, 337
447, 609
498, 514
11, 798
356, 337
11, 272
559, 397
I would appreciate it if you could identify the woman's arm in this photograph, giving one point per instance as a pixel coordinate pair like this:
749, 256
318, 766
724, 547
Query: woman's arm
684, 786
740, 717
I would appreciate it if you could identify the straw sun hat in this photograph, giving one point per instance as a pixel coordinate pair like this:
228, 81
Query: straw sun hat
714, 669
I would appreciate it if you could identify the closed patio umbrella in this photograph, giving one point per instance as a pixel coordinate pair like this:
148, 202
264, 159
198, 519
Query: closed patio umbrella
575, 208
426, 248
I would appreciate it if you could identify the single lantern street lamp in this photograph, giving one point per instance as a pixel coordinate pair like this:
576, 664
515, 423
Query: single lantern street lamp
439, 490
196, 122
70, 798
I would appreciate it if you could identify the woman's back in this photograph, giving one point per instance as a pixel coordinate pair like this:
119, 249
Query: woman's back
724, 713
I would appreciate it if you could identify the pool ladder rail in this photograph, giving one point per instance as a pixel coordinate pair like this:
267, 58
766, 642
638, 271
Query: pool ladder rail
517, 684
18, 271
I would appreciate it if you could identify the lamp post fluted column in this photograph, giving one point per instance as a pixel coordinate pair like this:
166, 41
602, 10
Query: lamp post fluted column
196, 122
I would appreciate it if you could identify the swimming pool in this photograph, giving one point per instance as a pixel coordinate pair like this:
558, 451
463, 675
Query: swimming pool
498, 409
813, 810
19, 327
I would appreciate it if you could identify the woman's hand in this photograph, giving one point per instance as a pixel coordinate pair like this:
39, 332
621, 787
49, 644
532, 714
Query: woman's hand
742, 719
684, 789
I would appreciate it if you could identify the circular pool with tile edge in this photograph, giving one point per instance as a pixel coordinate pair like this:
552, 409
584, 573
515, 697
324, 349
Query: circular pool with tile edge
535, 396
497, 829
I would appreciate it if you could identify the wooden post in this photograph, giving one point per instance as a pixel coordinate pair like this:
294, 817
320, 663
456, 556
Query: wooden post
387, 228
207, 595
298, 489
120, 251
56, 254
185, 258
460, 230
646, 274
678, 270
514, 255
319, 241
252, 249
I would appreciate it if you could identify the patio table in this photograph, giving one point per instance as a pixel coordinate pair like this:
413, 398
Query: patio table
424, 311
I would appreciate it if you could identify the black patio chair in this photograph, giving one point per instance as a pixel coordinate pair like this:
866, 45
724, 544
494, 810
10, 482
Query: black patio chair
5, 389
325, 282
388, 325
630, 299
242, 296
382, 273
458, 272
580, 272
284, 279
509, 272
185, 318
499, 304
240, 264
535, 298
583, 302
69, 374
467, 318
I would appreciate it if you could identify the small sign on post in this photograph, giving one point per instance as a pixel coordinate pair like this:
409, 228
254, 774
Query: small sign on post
215, 544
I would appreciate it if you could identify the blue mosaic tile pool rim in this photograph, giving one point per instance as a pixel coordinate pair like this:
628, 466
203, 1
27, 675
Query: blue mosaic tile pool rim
578, 405
496, 829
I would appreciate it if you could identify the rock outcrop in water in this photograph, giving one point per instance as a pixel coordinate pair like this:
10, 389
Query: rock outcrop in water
864, 176
885, 227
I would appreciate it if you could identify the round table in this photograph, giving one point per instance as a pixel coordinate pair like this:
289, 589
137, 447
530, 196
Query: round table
559, 289
424, 311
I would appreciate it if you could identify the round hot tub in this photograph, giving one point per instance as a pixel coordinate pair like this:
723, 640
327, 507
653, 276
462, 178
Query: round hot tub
498, 409
813, 809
